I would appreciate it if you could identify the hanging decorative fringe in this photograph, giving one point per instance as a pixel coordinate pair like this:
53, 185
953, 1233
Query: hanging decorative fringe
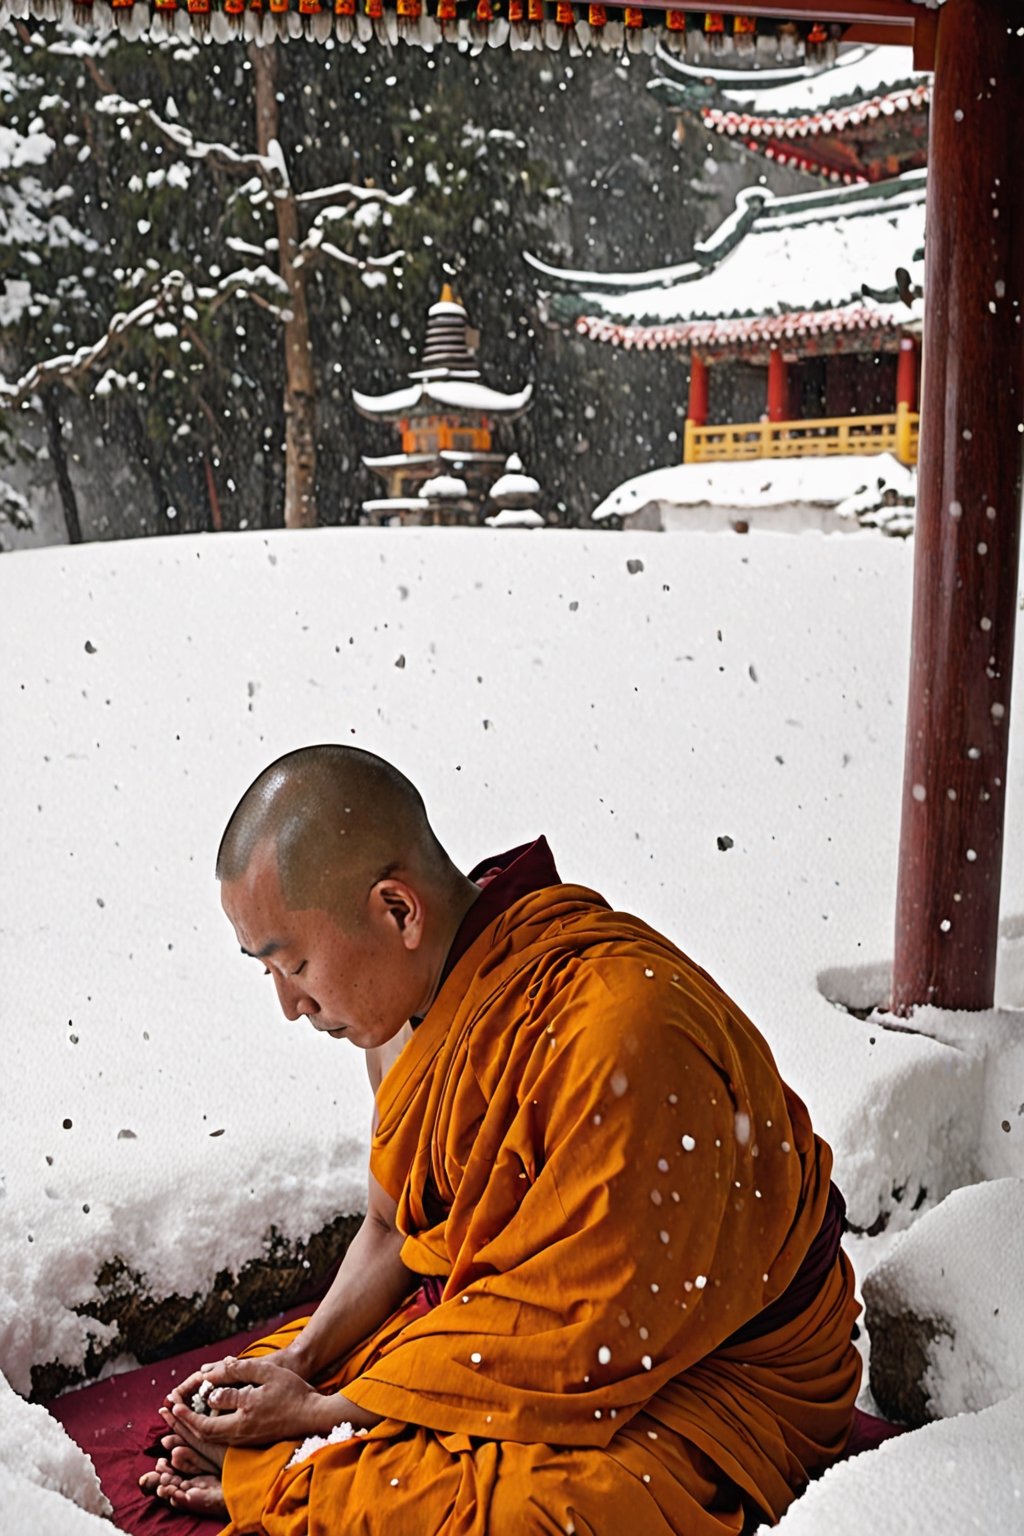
572, 25
744, 34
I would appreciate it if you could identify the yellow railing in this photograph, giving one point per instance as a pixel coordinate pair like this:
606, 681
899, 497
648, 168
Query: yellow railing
822, 436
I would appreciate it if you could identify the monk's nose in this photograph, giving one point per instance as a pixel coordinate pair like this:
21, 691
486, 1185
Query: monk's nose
295, 1002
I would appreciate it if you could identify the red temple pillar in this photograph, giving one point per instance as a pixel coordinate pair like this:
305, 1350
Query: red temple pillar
697, 409
778, 402
968, 519
906, 374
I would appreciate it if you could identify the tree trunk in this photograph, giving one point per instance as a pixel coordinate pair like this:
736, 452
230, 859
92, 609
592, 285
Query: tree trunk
300, 508
59, 460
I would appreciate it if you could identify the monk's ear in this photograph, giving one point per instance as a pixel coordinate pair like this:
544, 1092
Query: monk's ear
399, 905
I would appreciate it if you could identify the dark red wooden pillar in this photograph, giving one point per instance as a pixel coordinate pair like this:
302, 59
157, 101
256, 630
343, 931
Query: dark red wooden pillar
968, 518
906, 373
778, 402
697, 408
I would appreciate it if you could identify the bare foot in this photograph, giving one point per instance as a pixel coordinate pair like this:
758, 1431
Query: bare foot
201, 1495
182, 1457
210, 1451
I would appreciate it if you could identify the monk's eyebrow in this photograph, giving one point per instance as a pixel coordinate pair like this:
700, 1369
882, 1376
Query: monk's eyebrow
265, 952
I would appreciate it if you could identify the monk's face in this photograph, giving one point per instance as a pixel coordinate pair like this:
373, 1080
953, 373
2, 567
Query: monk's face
359, 981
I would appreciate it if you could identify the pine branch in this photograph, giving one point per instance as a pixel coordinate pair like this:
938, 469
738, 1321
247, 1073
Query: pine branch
270, 168
357, 194
315, 247
69, 367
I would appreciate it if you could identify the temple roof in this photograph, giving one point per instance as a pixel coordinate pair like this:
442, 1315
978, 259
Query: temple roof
447, 379
446, 456
447, 352
778, 267
859, 73
789, 115
444, 395
518, 24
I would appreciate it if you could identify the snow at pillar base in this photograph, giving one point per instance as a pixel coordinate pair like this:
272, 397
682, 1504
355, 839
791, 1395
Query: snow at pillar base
832, 495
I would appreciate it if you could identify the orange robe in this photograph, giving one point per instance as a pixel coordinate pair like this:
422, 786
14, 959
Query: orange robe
592, 1147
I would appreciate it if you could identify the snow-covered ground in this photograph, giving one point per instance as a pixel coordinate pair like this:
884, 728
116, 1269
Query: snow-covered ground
638, 698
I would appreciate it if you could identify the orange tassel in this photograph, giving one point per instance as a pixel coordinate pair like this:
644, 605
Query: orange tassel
535, 10
597, 15
484, 10
714, 21
374, 9
410, 9
817, 34
675, 21
744, 26
633, 17
565, 15
516, 11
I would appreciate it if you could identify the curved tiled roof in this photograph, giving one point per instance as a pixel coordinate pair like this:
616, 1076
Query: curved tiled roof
743, 331
785, 268
786, 115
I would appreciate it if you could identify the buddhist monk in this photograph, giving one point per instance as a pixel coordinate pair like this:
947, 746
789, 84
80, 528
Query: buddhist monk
599, 1287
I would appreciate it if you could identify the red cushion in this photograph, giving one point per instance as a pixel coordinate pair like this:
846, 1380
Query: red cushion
116, 1422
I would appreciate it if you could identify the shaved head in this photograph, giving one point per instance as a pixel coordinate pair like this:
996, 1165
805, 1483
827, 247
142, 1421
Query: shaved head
338, 820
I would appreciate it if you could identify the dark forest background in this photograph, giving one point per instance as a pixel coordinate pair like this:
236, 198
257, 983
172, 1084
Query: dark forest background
569, 158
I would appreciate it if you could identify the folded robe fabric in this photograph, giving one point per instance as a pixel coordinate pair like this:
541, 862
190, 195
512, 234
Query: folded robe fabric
592, 1150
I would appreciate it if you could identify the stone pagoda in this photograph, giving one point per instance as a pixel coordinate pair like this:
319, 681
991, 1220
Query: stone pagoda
446, 417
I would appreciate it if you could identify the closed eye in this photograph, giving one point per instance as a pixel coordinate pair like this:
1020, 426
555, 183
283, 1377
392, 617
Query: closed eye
300, 969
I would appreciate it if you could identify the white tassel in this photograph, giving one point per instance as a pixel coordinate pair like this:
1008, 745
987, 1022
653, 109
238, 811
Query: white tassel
430, 32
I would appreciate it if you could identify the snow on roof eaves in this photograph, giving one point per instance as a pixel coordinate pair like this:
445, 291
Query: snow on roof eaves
756, 210
737, 124
748, 331
801, 254
856, 79
515, 485
449, 394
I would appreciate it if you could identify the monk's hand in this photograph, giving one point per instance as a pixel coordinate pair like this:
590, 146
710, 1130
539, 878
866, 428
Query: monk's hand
200, 1382
257, 1402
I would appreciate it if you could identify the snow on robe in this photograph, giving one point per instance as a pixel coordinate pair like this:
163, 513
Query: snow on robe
593, 1152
